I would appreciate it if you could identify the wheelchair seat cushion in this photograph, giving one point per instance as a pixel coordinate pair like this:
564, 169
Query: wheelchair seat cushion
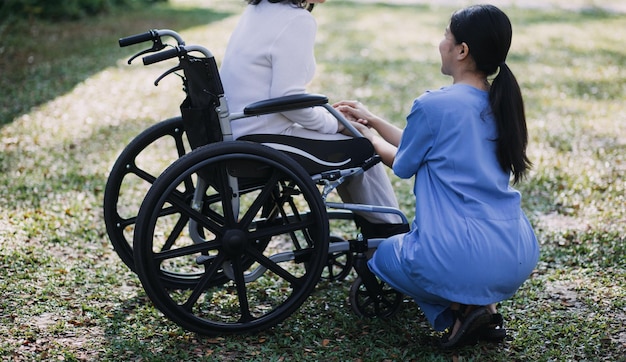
317, 156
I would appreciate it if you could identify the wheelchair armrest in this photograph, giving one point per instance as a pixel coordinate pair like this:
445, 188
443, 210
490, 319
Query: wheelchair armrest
285, 103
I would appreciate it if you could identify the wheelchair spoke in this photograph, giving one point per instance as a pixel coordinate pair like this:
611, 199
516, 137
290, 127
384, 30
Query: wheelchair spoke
122, 223
166, 211
388, 297
186, 250
274, 267
242, 291
132, 168
180, 145
260, 200
175, 233
226, 192
208, 201
338, 264
204, 282
367, 300
281, 229
383, 302
185, 209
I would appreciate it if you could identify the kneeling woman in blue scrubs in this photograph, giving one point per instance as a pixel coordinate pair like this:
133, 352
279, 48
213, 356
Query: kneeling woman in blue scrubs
470, 244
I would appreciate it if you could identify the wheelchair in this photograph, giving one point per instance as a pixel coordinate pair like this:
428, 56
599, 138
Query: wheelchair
233, 235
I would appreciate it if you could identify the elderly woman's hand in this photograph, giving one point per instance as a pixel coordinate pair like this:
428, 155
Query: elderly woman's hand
363, 129
357, 112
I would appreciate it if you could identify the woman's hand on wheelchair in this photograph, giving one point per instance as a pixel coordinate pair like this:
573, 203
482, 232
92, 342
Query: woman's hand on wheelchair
357, 112
362, 128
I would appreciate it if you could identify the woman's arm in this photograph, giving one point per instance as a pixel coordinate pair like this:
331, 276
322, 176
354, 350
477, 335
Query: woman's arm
384, 149
357, 111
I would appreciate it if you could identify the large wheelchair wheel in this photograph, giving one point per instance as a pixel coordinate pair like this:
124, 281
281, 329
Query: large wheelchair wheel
132, 175
255, 235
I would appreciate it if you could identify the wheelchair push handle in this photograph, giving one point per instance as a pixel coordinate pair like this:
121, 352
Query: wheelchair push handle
138, 38
161, 56
153, 35
177, 51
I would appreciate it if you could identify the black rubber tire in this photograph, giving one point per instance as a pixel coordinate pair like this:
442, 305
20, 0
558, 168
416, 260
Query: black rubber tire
129, 181
281, 225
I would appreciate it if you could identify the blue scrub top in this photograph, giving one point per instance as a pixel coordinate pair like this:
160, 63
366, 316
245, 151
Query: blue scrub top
470, 242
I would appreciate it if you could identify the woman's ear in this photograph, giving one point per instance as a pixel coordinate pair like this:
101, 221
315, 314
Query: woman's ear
463, 51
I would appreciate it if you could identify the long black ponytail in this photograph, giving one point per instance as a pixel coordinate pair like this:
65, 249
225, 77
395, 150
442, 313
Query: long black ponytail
487, 31
507, 106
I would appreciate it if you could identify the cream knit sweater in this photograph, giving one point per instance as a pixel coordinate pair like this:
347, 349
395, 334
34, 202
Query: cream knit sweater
271, 54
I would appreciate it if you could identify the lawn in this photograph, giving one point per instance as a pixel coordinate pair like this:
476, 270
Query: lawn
69, 104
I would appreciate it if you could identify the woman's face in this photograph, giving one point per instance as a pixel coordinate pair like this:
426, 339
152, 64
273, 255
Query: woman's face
447, 48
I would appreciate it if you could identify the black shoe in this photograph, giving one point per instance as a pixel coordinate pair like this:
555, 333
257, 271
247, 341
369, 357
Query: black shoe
471, 323
494, 332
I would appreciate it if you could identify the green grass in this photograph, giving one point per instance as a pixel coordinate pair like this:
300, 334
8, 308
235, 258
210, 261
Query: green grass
70, 104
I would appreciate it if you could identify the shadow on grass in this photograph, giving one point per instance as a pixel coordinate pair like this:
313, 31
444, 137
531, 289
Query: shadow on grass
41, 60
317, 331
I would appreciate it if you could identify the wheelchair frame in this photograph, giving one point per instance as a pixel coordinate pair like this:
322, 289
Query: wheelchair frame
233, 236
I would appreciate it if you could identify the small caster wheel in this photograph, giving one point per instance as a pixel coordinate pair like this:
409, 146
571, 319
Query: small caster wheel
383, 305
338, 264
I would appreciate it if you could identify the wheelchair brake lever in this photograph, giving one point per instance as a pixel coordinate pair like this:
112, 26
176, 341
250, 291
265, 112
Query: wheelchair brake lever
157, 45
168, 72
371, 162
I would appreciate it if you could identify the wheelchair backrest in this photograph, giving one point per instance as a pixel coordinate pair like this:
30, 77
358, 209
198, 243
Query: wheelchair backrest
204, 90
